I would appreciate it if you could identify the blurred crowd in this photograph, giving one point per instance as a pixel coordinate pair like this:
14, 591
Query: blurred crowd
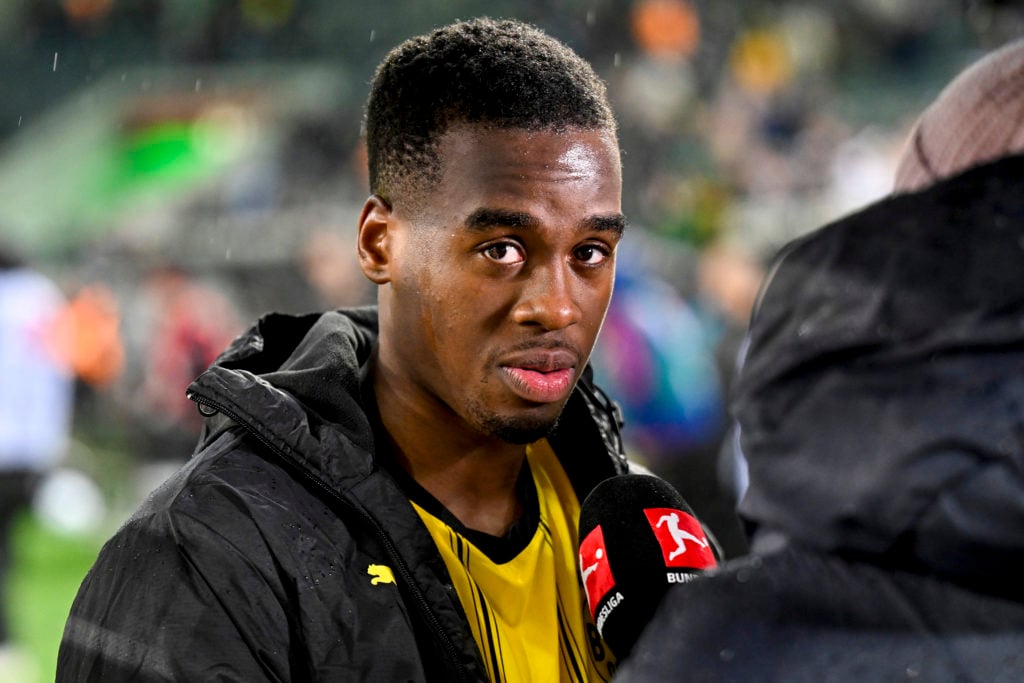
175, 169
171, 170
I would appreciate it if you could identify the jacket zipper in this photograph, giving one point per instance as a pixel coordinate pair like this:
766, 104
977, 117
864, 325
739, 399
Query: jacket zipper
386, 541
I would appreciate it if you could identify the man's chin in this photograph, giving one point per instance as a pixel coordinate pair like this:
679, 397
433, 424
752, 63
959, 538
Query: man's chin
518, 430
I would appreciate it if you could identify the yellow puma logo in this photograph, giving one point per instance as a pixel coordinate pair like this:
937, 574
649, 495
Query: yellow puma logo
380, 573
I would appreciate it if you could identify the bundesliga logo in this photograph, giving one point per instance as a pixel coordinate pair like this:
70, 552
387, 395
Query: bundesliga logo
594, 568
682, 540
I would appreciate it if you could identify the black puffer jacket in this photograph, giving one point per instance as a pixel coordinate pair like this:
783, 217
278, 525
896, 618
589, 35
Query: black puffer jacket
283, 551
882, 413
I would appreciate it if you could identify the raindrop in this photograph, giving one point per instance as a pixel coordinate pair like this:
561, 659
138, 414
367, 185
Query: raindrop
55, 54
373, 34
199, 84
591, 17
19, 122
617, 59
227, 254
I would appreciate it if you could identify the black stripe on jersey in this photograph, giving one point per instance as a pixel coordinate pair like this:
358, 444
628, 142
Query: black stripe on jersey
458, 544
547, 533
501, 651
485, 620
569, 652
572, 658
570, 647
491, 635
479, 609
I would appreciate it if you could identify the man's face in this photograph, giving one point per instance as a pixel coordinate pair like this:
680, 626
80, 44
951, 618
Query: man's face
500, 282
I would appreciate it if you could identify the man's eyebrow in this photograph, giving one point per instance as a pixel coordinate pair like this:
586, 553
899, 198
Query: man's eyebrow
612, 223
484, 219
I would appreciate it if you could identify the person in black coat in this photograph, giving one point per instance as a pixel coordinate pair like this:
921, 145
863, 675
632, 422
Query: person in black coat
393, 493
881, 409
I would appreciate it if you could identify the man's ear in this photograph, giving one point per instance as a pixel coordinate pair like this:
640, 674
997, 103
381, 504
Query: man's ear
374, 242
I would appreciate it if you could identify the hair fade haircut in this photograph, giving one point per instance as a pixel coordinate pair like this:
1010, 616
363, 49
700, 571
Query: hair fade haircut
500, 74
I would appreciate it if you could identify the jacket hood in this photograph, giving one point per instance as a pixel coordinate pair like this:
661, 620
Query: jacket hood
881, 402
294, 381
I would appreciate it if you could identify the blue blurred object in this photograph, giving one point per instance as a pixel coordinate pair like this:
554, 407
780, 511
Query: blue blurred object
655, 357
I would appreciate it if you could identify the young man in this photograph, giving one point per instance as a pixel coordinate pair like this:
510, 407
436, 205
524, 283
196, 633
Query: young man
392, 494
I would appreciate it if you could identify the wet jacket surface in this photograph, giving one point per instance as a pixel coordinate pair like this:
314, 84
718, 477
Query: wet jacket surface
882, 414
284, 551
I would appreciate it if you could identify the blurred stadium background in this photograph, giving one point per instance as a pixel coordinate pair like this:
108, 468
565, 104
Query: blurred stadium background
179, 167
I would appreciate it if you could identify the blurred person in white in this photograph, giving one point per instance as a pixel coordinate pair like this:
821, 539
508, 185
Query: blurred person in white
881, 407
36, 396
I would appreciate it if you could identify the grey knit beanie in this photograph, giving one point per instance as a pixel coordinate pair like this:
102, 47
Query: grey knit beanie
977, 118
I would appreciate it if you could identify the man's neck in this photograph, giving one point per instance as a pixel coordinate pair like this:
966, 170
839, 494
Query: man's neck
480, 491
473, 475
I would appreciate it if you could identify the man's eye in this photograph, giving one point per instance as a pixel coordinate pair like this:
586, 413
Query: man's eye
591, 254
505, 253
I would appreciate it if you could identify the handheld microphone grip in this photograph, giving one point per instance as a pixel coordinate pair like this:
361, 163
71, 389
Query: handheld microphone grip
638, 537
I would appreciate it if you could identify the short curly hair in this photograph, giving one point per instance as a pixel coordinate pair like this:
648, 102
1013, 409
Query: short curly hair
497, 73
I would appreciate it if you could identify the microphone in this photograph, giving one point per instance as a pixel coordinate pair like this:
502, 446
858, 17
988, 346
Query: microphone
638, 537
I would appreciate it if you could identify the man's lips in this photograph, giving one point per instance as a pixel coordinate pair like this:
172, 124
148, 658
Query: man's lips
541, 376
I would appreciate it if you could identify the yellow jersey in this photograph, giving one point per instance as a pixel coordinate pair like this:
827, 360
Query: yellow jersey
528, 613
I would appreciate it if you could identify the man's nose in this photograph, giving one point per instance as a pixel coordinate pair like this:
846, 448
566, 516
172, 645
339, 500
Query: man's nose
547, 298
